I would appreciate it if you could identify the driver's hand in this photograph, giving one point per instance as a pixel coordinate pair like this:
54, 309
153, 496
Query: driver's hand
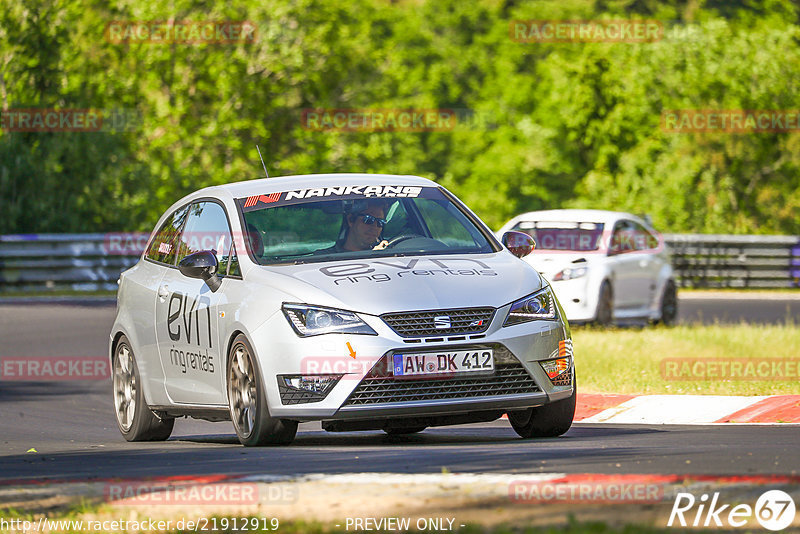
381, 245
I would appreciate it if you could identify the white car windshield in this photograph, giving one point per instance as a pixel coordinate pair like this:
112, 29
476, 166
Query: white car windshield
346, 222
567, 236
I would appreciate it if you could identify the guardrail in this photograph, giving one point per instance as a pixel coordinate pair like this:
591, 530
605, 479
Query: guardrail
741, 261
92, 262
72, 262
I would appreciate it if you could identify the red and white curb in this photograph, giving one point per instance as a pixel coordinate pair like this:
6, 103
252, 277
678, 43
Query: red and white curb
687, 409
446, 481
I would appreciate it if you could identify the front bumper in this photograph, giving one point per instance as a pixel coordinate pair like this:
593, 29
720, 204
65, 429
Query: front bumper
518, 381
577, 298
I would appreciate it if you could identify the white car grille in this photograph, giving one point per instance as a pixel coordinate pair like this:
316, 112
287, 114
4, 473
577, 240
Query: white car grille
440, 322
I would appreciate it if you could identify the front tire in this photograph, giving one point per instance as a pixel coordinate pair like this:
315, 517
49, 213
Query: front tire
135, 420
605, 305
248, 403
548, 421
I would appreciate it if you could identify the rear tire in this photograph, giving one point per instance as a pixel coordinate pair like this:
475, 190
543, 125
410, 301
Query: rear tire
605, 305
135, 420
248, 403
669, 304
548, 421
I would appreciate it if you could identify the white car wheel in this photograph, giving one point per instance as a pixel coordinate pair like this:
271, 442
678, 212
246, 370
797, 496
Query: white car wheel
135, 420
548, 421
248, 403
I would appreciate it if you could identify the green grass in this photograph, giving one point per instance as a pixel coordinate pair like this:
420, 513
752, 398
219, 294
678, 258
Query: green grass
629, 361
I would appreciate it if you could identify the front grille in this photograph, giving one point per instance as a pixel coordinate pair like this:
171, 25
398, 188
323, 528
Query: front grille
423, 323
508, 379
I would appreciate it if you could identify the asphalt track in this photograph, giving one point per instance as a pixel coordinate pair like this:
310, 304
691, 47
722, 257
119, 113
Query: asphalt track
71, 425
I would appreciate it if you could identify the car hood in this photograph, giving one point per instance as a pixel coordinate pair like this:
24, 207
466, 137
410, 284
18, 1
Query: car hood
551, 264
392, 284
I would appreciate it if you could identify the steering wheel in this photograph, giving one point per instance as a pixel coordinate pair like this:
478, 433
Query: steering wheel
400, 239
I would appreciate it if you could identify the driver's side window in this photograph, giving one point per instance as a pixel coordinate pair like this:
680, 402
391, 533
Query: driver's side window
623, 238
206, 229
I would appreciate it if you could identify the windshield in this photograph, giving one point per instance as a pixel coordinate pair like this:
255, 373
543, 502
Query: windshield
568, 236
323, 224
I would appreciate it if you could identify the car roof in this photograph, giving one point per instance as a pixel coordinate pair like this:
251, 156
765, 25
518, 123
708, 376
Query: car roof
576, 215
303, 181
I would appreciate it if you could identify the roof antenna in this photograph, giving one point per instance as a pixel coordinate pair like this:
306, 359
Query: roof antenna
262, 160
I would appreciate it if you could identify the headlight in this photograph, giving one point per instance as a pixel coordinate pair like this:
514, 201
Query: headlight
539, 305
314, 320
569, 274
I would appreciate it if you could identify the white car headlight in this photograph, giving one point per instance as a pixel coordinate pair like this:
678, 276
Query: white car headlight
538, 306
315, 320
570, 273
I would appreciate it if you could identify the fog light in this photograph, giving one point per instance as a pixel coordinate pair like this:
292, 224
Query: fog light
553, 368
319, 384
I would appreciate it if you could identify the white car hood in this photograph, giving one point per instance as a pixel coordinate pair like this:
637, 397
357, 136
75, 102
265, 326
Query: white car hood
392, 284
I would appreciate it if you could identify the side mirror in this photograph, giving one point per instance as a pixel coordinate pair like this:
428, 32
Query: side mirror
201, 265
519, 243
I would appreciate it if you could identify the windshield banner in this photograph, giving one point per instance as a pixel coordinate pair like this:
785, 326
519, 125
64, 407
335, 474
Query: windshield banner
344, 192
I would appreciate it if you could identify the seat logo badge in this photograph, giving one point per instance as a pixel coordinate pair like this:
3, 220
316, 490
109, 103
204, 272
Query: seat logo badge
441, 322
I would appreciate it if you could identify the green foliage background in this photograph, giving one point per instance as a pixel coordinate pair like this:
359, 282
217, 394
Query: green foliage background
554, 125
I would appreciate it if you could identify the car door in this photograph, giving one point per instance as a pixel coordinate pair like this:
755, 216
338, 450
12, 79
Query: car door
650, 263
140, 293
187, 313
625, 265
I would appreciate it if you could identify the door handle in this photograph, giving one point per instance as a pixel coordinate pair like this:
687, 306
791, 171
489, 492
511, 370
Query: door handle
163, 292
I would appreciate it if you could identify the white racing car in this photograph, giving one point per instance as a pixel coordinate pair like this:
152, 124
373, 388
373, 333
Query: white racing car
605, 266
366, 302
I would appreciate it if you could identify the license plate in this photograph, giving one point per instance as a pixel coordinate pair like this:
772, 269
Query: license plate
444, 362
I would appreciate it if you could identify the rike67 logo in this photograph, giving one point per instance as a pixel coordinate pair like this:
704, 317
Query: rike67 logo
774, 510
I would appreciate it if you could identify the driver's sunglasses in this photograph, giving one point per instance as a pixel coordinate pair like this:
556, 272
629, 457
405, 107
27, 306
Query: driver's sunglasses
370, 219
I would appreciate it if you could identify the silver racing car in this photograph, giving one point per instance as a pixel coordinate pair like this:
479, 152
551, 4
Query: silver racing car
366, 302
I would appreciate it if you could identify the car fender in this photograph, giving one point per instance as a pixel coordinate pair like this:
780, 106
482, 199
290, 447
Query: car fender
599, 271
152, 383
665, 274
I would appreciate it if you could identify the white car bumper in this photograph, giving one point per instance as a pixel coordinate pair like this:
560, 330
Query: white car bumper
578, 298
518, 380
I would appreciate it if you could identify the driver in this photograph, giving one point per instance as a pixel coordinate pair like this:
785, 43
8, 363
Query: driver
364, 226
